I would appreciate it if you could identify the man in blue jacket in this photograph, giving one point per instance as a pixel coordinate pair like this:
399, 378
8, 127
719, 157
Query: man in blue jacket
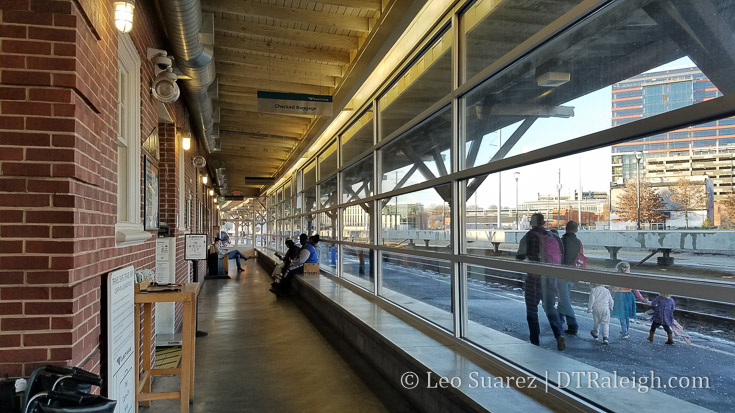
308, 255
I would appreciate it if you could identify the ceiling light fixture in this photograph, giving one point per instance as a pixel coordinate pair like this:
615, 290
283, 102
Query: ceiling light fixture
205, 179
211, 192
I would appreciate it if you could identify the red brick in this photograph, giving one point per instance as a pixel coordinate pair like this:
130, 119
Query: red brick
46, 339
65, 20
67, 201
55, 35
50, 124
12, 93
50, 95
13, 62
24, 231
48, 186
11, 277
26, 47
50, 247
16, 4
11, 247
9, 215
11, 122
12, 370
25, 323
39, 308
48, 277
15, 77
26, 169
25, 139
65, 109
62, 263
25, 200
11, 154
65, 49
64, 353
24, 262
28, 17
65, 232
24, 293
55, 217
9, 340
27, 108
62, 323
21, 355
11, 184
18, 32
51, 154
50, 63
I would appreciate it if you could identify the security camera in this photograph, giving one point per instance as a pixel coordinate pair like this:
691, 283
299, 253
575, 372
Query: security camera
162, 63
164, 88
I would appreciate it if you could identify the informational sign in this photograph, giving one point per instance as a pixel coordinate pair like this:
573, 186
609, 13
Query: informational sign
163, 263
294, 103
165, 273
195, 247
121, 339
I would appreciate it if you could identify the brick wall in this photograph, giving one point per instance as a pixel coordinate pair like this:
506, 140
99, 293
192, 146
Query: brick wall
58, 174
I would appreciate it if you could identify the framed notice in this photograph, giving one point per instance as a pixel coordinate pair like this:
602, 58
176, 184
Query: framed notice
151, 196
195, 246
121, 339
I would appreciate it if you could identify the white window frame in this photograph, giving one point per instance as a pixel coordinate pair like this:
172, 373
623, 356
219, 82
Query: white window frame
183, 206
129, 229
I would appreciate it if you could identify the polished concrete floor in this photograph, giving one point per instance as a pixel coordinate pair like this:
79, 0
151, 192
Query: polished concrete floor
264, 354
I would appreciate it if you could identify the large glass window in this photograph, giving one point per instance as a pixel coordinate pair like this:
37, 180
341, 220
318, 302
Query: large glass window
358, 137
357, 266
418, 220
328, 193
423, 153
493, 28
357, 181
356, 225
426, 81
421, 285
310, 175
328, 161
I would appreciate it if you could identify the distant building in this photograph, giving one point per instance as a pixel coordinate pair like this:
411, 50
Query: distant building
650, 94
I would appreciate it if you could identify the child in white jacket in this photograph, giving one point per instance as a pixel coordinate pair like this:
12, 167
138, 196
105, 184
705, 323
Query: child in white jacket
600, 305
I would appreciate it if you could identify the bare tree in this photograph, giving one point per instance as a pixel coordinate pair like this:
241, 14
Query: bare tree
652, 204
687, 196
728, 208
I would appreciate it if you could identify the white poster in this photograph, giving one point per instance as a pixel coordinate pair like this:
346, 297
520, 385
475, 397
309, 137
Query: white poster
121, 339
195, 247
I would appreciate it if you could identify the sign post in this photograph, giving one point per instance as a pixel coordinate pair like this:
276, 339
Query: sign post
195, 249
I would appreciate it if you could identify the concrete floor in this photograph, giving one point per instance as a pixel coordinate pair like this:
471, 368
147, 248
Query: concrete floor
265, 355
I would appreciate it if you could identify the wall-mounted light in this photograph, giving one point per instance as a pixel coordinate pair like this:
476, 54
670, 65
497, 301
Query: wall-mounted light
205, 179
124, 15
186, 143
217, 206
211, 192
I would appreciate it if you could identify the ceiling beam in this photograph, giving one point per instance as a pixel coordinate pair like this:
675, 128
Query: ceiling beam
295, 52
282, 120
269, 136
236, 90
266, 73
329, 20
274, 85
300, 36
225, 55
259, 129
372, 5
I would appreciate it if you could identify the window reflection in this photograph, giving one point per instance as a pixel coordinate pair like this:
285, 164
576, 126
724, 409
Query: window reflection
418, 220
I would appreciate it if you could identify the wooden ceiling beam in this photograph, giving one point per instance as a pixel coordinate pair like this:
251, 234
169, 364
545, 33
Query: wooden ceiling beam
266, 73
282, 120
274, 86
237, 90
259, 129
300, 36
295, 52
329, 20
372, 5
276, 63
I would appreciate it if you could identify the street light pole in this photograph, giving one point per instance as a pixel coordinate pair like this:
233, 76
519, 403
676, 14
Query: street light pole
558, 199
638, 157
516, 175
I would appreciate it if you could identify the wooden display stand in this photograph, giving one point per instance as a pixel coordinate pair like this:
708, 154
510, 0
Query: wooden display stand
187, 295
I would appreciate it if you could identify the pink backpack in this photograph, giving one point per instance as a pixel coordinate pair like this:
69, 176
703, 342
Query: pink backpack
550, 251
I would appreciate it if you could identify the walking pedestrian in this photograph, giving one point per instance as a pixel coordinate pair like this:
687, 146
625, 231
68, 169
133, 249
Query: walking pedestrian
600, 304
663, 316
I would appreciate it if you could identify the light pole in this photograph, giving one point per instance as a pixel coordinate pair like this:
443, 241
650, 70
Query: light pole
558, 200
638, 157
516, 175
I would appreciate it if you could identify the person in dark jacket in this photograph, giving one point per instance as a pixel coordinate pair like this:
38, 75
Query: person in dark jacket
538, 288
572, 246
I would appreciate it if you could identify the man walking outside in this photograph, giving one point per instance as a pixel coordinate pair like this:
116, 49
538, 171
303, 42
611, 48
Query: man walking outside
540, 245
572, 248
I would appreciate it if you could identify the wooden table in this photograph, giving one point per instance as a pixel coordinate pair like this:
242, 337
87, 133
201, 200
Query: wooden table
187, 295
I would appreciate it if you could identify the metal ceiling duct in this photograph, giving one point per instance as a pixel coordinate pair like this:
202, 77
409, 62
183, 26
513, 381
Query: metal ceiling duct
183, 21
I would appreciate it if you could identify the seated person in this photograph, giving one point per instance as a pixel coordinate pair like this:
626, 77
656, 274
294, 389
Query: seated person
236, 254
307, 255
291, 254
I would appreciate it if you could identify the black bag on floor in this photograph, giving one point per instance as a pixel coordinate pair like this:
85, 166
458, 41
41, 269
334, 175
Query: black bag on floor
63, 389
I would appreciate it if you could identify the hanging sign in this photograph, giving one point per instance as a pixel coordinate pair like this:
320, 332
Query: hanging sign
294, 103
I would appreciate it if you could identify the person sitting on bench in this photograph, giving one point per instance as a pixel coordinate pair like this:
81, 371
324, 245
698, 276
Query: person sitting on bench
308, 255
236, 254
291, 254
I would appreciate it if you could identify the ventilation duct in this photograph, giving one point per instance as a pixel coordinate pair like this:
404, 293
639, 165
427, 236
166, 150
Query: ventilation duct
193, 52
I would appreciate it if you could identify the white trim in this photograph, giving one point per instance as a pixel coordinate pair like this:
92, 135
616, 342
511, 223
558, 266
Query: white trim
129, 229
